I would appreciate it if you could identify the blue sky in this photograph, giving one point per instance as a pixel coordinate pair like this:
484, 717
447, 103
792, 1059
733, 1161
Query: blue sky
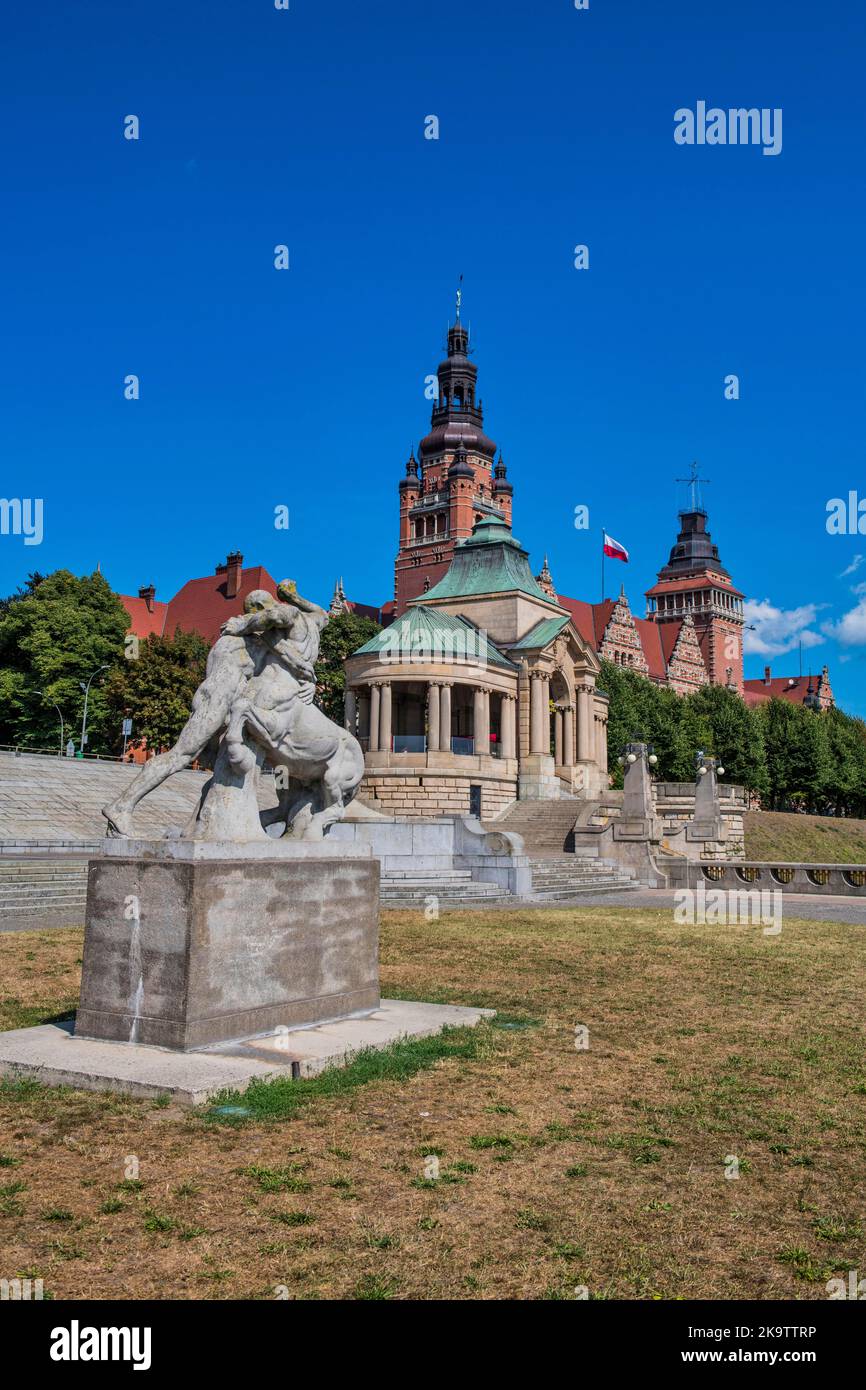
305, 387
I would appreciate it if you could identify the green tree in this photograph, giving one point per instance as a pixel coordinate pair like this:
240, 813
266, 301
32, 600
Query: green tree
343, 635
734, 734
155, 690
55, 632
799, 763
846, 739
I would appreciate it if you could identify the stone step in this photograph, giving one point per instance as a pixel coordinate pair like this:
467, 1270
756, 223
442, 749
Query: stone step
470, 890
443, 876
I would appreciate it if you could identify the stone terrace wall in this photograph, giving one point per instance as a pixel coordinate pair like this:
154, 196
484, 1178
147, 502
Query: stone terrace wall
45, 798
429, 794
675, 806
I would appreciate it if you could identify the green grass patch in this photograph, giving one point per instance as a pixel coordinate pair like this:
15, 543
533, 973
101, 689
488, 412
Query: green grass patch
280, 1098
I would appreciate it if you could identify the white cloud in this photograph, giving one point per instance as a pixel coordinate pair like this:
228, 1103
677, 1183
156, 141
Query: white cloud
851, 627
778, 630
853, 567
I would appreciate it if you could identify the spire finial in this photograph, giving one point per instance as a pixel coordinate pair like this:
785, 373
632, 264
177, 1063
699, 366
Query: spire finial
693, 481
459, 296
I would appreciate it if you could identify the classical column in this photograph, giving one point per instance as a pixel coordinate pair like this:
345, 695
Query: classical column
481, 722
433, 717
385, 718
375, 700
350, 709
584, 724
557, 736
568, 735
536, 714
601, 745
508, 725
445, 718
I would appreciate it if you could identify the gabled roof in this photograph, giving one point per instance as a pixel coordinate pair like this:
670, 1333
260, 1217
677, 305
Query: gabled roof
543, 633
429, 634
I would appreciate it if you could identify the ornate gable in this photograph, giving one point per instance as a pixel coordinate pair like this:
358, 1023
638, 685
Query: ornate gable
621, 641
686, 669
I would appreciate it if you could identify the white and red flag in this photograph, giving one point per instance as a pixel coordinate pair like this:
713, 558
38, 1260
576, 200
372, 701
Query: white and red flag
614, 549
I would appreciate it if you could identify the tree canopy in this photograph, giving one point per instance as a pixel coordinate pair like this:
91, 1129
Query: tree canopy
55, 632
792, 756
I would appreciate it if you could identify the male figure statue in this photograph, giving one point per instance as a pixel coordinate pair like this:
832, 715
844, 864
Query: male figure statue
288, 631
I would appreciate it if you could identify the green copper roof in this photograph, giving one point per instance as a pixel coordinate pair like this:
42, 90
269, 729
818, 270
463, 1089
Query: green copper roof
490, 561
423, 634
543, 632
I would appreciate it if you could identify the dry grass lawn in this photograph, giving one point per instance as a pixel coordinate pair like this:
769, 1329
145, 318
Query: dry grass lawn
559, 1167
781, 836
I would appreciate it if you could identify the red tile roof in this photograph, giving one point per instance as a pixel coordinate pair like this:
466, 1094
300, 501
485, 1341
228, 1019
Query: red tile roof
791, 688
590, 619
672, 586
365, 610
202, 606
142, 621
652, 639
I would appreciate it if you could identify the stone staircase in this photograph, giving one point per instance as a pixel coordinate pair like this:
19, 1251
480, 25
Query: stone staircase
546, 826
565, 863
452, 888
569, 876
52, 889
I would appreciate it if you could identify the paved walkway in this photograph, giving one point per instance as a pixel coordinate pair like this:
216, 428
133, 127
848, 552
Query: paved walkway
816, 909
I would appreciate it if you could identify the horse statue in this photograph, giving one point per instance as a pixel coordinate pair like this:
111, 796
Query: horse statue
254, 709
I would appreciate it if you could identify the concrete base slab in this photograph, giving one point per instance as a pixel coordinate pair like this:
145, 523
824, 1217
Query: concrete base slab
52, 1055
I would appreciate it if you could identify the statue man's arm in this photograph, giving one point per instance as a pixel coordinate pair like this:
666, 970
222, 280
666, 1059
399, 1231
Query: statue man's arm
289, 594
247, 624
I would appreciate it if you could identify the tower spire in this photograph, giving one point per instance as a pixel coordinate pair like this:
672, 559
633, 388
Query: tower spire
694, 482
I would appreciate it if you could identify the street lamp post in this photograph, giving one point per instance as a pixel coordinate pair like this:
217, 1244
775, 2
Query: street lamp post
60, 712
86, 689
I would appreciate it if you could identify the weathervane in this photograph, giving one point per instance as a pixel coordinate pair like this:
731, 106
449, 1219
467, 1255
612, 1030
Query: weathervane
459, 297
693, 482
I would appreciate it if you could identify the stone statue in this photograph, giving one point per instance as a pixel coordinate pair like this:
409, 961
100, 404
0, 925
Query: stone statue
255, 706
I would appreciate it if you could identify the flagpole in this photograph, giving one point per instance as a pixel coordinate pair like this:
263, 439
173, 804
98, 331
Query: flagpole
602, 564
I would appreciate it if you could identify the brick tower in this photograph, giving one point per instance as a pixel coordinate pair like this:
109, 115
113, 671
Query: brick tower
453, 483
694, 583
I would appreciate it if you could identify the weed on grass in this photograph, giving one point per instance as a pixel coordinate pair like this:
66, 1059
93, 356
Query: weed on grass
282, 1098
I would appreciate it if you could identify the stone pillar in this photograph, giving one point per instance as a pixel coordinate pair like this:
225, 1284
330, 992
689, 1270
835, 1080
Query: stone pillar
585, 724
538, 715
445, 719
364, 715
433, 717
557, 736
350, 709
601, 755
385, 718
508, 725
375, 701
481, 722
568, 736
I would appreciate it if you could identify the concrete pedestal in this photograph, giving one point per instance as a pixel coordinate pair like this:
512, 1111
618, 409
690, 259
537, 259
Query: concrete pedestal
191, 943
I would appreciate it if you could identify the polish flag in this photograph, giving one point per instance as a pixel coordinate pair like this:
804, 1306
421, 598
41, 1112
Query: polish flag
614, 549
